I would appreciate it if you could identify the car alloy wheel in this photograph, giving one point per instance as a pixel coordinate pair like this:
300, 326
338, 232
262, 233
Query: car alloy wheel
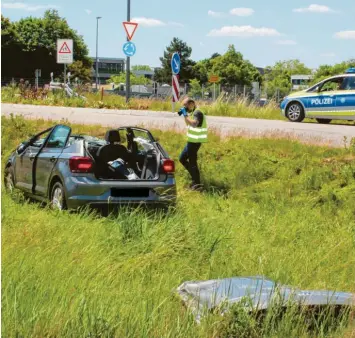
58, 199
295, 112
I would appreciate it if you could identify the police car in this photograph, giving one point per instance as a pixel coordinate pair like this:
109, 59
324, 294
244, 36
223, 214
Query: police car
330, 99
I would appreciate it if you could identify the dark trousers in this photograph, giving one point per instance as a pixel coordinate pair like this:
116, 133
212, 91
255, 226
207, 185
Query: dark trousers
188, 159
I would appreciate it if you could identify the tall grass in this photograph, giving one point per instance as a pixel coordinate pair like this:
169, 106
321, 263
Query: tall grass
272, 207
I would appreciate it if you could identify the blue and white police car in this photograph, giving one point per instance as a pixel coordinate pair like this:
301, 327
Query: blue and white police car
330, 99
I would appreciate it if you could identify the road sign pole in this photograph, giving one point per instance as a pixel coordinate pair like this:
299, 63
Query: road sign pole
128, 66
65, 74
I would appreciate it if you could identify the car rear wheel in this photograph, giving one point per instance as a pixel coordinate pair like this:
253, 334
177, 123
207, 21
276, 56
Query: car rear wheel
324, 121
58, 197
295, 112
9, 180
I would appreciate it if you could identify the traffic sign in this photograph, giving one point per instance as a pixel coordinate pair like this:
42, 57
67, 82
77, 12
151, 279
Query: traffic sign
64, 51
129, 48
175, 88
175, 63
130, 28
213, 79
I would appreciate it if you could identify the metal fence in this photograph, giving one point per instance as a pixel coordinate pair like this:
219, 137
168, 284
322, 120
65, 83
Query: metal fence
210, 92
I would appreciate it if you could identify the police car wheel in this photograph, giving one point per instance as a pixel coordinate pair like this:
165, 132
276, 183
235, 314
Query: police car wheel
324, 121
295, 112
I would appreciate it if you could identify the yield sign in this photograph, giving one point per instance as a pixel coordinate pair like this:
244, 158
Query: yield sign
64, 49
130, 28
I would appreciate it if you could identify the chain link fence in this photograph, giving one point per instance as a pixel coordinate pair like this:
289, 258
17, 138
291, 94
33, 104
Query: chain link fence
208, 93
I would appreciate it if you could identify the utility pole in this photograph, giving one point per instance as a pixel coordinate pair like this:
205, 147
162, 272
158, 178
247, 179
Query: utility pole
128, 84
97, 50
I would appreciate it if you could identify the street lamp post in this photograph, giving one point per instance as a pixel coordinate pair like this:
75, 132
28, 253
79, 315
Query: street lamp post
128, 84
97, 49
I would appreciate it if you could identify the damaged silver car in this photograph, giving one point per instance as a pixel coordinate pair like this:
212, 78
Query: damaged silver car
127, 167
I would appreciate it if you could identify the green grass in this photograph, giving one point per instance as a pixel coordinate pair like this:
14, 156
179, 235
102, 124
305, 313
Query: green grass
273, 207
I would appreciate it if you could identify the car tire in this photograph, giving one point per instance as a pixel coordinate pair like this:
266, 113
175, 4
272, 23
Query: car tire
9, 181
58, 201
324, 121
295, 112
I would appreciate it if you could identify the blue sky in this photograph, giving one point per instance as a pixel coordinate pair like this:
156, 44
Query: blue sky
316, 32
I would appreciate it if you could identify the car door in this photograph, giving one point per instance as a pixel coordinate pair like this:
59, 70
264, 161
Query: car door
47, 158
345, 102
23, 166
324, 104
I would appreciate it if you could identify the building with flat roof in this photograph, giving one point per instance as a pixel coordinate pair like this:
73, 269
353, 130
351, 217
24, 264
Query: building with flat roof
107, 67
300, 81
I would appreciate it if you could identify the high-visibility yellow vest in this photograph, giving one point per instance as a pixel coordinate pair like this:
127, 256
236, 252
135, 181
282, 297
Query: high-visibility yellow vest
197, 134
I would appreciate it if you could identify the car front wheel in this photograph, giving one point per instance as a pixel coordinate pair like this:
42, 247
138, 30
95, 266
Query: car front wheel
324, 121
295, 112
58, 197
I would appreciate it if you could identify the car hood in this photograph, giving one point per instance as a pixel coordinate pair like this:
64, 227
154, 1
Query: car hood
295, 94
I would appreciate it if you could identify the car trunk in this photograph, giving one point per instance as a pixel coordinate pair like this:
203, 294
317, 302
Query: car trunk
145, 165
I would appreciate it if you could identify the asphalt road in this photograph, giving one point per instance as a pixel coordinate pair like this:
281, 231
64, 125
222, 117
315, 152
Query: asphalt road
311, 133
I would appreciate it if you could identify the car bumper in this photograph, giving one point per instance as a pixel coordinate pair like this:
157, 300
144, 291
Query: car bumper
82, 191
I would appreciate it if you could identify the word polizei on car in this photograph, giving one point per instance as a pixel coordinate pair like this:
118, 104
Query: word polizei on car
330, 99
71, 171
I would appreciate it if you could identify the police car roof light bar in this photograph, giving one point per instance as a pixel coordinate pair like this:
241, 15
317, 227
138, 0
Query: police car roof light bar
350, 71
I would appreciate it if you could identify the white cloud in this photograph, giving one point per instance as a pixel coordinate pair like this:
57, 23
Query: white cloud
148, 22
26, 7
88, 11
215, 14
314, 9
328, 55
202, 44
177, 24
241, 11
286, 42
345, 35
243, 31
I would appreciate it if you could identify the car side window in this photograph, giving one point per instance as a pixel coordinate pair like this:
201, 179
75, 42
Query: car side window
332, 85
40, 139
349, 83
59, 137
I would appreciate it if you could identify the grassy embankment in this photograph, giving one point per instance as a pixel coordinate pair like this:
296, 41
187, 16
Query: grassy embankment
273, 207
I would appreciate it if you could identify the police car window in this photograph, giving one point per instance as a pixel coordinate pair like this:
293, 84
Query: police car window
349, 83
331, 85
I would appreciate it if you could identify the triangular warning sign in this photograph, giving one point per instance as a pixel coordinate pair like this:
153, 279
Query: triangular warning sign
64, 49
130, 28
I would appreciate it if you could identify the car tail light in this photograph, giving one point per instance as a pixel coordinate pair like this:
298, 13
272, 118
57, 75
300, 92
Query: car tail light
79, 164
168, 166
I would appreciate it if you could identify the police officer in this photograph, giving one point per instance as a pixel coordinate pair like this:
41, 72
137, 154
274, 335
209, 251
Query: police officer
196, 135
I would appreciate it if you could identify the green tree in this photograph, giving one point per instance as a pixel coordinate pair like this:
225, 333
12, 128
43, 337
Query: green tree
325, 71
141, 67
195, 88
277, 78
8, 33
202, 69
35, 46
163, 75
135, 80
233, 69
